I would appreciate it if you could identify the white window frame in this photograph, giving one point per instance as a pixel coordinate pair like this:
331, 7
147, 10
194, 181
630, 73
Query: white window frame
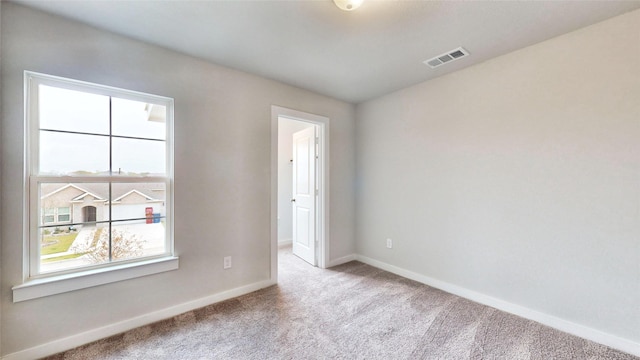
36, 284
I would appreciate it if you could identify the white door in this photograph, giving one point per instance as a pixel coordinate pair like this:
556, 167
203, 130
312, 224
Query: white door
304, 195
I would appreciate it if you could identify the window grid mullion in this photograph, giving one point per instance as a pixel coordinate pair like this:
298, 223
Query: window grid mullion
110, 173
97, 179
103, 135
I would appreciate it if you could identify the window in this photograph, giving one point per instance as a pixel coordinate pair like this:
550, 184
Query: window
63, 214
55, 215
48, 216
99, 176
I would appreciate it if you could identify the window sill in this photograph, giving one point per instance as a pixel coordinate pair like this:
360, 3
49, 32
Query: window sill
38, 288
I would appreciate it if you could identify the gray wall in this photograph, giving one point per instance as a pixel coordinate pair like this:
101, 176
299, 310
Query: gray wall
222, 163
1, 117
518, 178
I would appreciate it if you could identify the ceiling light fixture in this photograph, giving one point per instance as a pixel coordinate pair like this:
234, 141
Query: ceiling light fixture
348, 5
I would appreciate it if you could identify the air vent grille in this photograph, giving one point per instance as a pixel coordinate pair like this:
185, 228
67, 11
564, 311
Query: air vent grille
447, 57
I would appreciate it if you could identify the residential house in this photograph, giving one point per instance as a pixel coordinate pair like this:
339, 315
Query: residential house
77, 204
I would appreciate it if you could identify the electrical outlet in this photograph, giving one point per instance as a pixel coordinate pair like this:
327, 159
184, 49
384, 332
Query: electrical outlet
389, 243
227, 262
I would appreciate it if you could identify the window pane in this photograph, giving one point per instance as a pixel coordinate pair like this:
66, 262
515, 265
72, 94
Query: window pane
62, 153
79, 133
63, 248
69, 110
133, 239
79, 203
85, 241
138, 119
48, 216
142, 201
64, 214
139, 157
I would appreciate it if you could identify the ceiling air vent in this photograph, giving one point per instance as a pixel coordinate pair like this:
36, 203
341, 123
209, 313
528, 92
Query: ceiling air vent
447, 57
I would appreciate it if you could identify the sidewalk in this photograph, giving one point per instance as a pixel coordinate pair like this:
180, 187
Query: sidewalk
44, 257
152, 234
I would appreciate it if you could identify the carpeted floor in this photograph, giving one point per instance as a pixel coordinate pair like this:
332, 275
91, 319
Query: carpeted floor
352, 311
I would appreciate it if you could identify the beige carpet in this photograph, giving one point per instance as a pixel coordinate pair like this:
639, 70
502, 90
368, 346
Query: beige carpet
352, 311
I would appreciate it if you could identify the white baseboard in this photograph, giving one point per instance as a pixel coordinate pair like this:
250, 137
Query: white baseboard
342, 260
582, 331
73, 341
284, 242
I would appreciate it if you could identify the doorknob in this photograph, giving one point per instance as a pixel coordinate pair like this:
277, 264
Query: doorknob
293, 200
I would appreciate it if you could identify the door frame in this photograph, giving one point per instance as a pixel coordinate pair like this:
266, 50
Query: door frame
86, 213
322, 203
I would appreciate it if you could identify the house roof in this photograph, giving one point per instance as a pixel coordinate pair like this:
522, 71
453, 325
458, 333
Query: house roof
132, 192
150, 191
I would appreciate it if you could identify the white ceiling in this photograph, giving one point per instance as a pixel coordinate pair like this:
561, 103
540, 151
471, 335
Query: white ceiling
352, 56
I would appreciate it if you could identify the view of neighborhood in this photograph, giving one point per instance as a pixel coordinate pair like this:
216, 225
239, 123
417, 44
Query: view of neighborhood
109, 137
75, 221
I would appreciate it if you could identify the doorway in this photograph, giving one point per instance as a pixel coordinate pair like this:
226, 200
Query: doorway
297, 155
299, 219
89, 214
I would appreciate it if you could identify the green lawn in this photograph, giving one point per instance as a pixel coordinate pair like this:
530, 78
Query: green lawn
63, 242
